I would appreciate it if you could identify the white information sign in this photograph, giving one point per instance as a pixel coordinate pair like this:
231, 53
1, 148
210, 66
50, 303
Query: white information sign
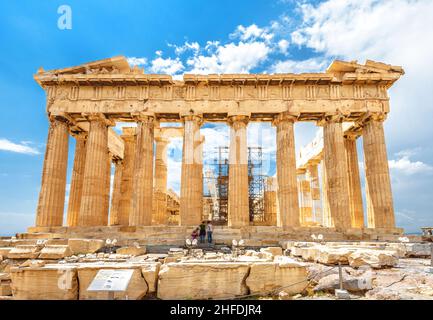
115, 280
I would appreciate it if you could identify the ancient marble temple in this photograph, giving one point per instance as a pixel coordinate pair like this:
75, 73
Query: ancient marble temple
348, 100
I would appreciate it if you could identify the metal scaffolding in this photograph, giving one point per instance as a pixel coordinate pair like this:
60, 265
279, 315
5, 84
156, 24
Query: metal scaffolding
217, 180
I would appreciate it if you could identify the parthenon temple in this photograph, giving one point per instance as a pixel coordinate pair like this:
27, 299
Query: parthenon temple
315, 190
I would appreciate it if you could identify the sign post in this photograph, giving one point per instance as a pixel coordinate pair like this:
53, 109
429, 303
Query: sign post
111, 281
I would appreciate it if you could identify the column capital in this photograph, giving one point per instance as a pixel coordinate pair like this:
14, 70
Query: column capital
379, 116
331, 118
146, 117
284, 116
80, 135
161, 139
351, 135
233, 118
98, 117
192, 117
61, 117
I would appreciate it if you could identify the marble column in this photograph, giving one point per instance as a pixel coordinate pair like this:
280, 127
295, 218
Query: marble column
326, 211
270, 201
53, 187
305, 203
142, 194
191, 194
286, 172
355, 195
93, 209
238, 197
160, 189
125, 202
107, 189
116, 193
313, 176
381, 209
77, 180
336, 172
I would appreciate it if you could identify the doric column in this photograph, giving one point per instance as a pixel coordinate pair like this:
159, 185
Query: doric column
326, 211
355, 195
77, 179
313, 177
52, 195
286, 172
116, 193
191, 194
336, 172
160, 189
142, 194
270, 201
107, 189
305, 203
381, 209
93, 209
238, 198
125, 202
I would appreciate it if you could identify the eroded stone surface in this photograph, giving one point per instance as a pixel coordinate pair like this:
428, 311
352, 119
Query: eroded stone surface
55, 252
373, 258
78, 246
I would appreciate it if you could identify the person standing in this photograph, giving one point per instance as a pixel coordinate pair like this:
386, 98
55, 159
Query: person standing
202, 232
209, 231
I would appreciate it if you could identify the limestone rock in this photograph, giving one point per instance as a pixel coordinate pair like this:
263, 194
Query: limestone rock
55, 252
4, 251
33, 263
418, 249
133, 251
150, 273
333, 256
202, 280
136, 290
78, 246
54, 283
267, 277
275, 251
5, 289
374, 258
350, 283
24, 252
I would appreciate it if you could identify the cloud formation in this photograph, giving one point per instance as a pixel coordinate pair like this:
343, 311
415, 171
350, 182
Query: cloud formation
23, 147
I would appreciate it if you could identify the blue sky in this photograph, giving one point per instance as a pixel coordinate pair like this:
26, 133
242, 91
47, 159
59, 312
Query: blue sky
178, 37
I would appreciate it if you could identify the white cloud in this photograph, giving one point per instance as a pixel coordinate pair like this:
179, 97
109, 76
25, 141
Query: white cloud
408, 167
134, 61
231, 58
193, 46
252, 32
168, 65
283, 45
302, 66
7, 145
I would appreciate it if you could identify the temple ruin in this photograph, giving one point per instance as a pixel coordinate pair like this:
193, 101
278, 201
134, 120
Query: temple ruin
318, 191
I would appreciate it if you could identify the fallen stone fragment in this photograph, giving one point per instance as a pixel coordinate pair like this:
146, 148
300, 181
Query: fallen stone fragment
24, 252
418, 249
375, 258
267, 277
84, 246
275, 251
204, 280
33, 263
350, 283
55, 252
46, 283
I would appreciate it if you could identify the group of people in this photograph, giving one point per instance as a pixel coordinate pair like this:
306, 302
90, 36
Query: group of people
203, 230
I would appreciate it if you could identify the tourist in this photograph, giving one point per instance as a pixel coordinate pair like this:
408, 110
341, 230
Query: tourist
209, 230
202, 232
195, 234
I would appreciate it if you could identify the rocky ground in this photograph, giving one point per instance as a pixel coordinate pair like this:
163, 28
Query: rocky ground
40, 269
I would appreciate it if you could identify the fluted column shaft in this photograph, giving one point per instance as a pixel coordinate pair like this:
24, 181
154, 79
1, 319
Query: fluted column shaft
142, 194
286, 173
116, 193
53, 187
306, 203
125, 202
93, 209
355, 194
270, 201
313, 177
326, 211
336, 173
380, 211
191, 194
160, 190
77, 180
238, 197
107, 189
